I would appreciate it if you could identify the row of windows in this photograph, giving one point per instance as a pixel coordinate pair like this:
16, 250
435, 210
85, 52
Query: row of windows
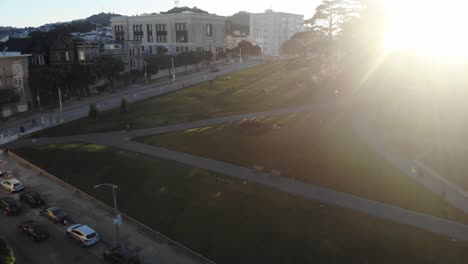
161, 33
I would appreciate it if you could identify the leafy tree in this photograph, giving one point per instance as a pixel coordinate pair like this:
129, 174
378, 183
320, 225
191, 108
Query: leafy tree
331, 15
46, 80
6, 253
79, 78
124, 105
108, 67
93, 112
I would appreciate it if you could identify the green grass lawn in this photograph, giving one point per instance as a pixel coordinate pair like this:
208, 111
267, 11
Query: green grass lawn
234, 223
263, 87
314, 147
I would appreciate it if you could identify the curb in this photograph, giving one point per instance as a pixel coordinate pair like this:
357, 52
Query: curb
159, 237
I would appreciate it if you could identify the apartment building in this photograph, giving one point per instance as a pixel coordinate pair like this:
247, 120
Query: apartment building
15, 95
175, 32
270, 30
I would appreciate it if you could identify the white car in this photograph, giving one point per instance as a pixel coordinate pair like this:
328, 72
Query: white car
12, 185
83, 233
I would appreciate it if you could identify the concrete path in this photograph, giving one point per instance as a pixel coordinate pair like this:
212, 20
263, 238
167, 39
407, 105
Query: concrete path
308, 191
385, 211
414, 169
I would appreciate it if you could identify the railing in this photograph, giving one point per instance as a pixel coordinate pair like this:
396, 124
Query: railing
160, 237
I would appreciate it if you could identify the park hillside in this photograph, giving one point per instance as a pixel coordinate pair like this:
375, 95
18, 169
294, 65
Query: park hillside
337, 81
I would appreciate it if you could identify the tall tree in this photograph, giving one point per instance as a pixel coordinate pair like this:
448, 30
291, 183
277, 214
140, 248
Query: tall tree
108, 67
331, 15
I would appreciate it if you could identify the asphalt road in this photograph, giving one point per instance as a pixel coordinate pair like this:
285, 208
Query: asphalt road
56, 249
80, 109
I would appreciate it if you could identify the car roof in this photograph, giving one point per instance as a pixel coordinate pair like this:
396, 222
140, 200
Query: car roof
13, 180
86, 230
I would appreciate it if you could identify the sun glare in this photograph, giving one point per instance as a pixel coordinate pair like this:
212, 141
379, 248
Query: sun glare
432, 28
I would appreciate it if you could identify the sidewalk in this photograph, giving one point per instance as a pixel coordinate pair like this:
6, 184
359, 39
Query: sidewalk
152, 247
108, 101
414, 169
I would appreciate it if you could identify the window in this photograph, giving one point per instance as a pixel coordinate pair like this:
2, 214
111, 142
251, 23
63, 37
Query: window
186, 49
161, 33
177, 49
160, 27
161, 38
209, 30
119, 32
181, 26
67, 56
181, 33
151, 49
138, 32
82, 56
149, 32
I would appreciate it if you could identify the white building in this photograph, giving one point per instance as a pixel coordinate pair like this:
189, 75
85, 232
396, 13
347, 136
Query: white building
270, 30
177, 32
237, 37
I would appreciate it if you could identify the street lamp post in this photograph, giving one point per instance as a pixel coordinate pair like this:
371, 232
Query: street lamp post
117, 218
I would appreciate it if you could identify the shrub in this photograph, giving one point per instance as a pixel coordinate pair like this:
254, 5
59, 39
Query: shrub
93, 112
124, 105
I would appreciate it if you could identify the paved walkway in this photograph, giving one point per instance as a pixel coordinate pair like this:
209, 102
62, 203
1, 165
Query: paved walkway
308, 191
414, 169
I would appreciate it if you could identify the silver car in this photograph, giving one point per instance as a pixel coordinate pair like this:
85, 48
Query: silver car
83, 234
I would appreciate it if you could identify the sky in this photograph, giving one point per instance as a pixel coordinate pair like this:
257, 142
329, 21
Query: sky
22, 13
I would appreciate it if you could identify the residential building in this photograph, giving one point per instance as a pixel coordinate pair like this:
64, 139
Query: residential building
271, 29
15, 95
66, 51
37, 47
128, 51
175, 32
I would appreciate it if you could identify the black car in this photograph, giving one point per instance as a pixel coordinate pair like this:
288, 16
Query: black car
34, 230
9, 206
122, 255
32, 199
55, 214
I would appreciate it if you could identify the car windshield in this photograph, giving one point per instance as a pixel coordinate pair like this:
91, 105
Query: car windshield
16, 184
92, 235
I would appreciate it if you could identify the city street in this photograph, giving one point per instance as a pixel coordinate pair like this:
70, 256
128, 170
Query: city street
151, 247
79, 109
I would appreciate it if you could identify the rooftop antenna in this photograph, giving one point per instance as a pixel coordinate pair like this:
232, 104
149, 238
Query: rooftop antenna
176, 3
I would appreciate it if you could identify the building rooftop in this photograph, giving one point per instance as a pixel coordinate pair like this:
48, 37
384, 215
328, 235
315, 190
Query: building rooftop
10, 54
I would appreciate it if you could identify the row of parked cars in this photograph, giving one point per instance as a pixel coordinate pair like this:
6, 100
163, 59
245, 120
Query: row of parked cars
83, 234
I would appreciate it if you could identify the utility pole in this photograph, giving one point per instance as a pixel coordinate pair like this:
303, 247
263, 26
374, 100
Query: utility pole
173, 73
60, 102
118, 218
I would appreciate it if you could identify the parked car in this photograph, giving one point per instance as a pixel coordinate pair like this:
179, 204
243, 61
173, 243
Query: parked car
9, 206
121, 255
34, 230
33, 199
55, 214
83, 234
12, 185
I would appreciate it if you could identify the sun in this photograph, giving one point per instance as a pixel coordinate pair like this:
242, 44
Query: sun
429, 27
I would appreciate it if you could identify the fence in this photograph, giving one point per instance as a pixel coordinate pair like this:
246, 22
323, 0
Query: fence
160, 237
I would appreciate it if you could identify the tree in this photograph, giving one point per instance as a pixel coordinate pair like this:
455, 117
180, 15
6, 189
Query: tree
108, 67
79, 78
6, 253
331, 15
124, 105
93, 112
